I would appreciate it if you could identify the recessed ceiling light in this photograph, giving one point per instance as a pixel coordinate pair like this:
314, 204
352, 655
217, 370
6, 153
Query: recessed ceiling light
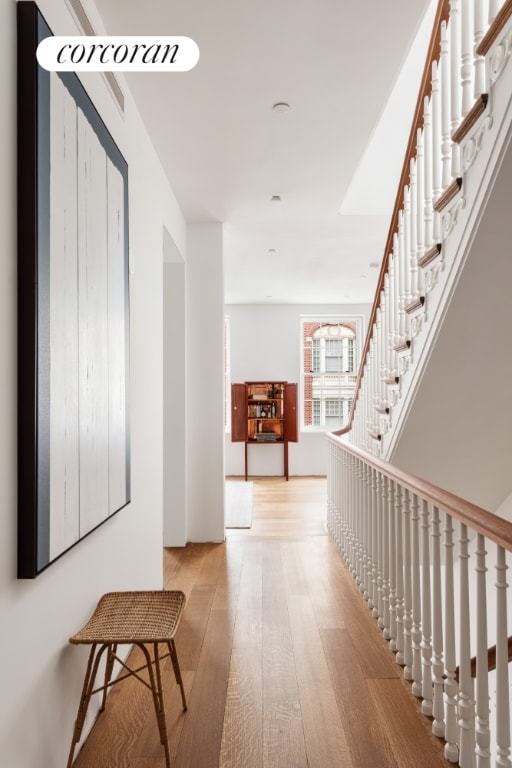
363, 277
374, 265
276, 198
271, 250
281, 107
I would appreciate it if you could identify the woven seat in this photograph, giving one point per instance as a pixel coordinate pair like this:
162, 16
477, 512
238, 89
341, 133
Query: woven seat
143, 619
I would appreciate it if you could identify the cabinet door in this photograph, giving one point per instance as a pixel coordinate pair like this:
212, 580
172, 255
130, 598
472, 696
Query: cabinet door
238, 413
291, 425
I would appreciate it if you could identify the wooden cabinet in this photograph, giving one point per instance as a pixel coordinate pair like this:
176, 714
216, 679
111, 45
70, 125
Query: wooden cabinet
264, 412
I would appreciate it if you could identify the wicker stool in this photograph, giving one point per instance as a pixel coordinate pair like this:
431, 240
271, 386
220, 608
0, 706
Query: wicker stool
143, 619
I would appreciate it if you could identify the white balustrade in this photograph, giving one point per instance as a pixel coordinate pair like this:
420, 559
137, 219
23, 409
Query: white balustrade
430, 596
429, 589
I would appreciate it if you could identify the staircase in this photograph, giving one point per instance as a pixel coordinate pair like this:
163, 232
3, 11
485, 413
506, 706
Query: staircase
457, 148
433, 399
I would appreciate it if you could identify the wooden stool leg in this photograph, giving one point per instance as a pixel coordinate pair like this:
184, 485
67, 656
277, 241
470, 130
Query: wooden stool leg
90, 676
177, 671
112, 649
158, 697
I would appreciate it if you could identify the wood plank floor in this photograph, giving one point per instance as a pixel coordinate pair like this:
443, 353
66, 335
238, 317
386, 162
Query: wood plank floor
283, 665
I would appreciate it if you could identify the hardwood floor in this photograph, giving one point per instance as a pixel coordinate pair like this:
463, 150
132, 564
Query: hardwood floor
283, 665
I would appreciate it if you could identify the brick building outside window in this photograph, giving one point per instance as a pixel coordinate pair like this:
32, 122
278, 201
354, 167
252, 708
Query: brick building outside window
329, 366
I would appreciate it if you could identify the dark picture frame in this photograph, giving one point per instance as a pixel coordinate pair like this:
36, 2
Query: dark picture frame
73, 311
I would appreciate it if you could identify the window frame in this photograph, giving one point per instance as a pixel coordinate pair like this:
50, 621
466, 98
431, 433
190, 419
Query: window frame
357, 320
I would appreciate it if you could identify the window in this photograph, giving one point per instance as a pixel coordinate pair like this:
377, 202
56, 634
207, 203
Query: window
329, 360
332, 407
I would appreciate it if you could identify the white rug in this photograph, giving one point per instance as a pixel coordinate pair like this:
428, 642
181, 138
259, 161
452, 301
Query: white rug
238, 504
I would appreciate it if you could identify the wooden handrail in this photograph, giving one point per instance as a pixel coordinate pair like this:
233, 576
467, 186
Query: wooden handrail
496, 27
442, 14
491, 660
491, 526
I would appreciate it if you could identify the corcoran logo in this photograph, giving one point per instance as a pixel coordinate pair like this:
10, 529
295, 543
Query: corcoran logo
121, 54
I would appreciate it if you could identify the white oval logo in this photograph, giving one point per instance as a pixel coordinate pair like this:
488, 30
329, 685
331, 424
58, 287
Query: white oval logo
117, 54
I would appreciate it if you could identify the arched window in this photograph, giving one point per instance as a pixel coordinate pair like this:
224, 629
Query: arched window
329, 372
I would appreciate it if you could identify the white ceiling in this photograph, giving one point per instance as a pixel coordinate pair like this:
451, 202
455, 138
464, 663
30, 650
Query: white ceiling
334, 158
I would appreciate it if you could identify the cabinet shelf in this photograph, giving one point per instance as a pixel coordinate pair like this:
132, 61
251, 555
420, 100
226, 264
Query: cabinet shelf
265, 418
264, 412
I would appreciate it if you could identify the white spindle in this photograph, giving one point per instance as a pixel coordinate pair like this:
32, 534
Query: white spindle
409, 221
502, 665
412, 240
428, 175
466, 710
420, 209
436, 151
359, 525
399, 502
385, 556
383, 342
467, 73
371, 375
393, 305
388, 328
379, 530
402, 259
339, 491
451, 749
416, 598
437, 628
426, 613
379, 361
446, 143
494, 6
479, 63
366, 532
483, 734
344, 495
455, 83
375, 544
353, 519
392, 564
407, 614
350, 511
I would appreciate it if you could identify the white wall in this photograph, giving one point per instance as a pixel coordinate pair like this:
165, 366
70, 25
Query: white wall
205, 383
175, 396
265, 344
42, 673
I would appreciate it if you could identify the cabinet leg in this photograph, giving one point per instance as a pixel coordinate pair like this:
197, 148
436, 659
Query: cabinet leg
286, 459
246, 462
